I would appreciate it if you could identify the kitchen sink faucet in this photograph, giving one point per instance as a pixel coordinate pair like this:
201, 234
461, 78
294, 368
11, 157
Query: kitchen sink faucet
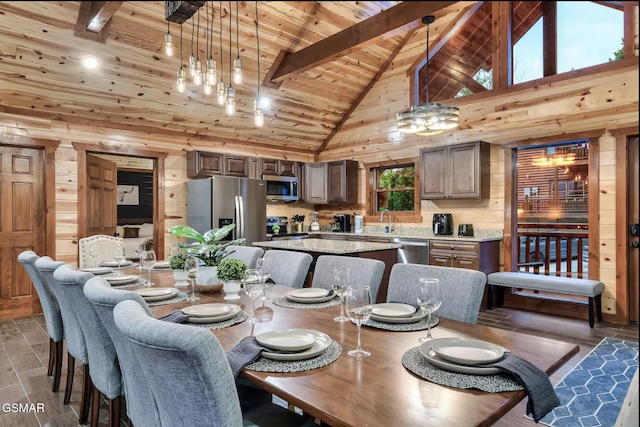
389, 228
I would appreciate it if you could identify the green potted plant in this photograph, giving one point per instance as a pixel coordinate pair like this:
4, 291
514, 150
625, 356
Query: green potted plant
176, 263
231, 271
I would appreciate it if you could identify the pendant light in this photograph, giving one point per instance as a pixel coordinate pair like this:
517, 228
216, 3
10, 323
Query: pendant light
237, 64
430, 118
222, 92
230, 103
258, 114
211, 74
180, 83
192, 58
197, 73
205, 79
168, 41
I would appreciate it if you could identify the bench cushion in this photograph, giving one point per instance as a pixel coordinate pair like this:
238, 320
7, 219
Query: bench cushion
538, 282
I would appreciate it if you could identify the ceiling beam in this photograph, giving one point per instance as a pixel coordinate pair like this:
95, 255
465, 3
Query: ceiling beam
407, 13
94, 18
181, 11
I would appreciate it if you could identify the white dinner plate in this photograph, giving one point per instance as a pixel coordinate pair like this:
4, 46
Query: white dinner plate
467, 351
392, 309
97, 270
415, 317
121, 280
157, 294
287, 340
302, 295
115, 263
323, 341
436, 360
161, 265
210, 310
215, 319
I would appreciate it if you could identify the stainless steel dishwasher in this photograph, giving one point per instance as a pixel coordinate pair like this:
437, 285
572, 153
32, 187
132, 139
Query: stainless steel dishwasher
413, 251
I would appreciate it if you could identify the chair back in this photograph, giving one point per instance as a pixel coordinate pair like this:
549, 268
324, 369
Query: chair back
103, 363
289, 268
74, 337
187, 368
247, 254
50, 308
363, 272
107, 245
141, 405
461, 289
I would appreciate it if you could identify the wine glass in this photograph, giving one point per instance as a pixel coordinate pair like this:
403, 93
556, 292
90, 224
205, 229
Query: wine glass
148, 260
95, 253
190, 268
264, 265
340, 285
429, 300
359, 310
253, 287
139, 249
119, 257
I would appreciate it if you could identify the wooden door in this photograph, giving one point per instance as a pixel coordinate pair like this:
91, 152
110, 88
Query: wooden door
633, 203
21, 227
102, 177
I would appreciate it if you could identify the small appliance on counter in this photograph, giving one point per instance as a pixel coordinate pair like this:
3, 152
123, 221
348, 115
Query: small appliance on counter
442, 224
315, 226
341, 223
465, 230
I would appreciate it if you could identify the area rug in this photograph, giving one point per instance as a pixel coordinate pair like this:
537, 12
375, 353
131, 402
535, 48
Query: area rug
591, 394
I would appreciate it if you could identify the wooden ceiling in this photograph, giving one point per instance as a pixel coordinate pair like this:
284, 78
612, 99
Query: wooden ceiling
336, 52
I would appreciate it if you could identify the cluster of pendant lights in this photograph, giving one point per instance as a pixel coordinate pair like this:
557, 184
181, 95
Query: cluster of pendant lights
207, 76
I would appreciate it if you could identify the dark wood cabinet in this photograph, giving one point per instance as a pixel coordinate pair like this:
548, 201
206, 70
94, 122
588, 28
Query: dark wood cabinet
201, 164
315, 175
342, 181
455, 172
279, 167
288, 168
482, 256
269, 167
236, 166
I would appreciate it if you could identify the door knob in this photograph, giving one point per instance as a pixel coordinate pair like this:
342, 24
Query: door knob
635, 244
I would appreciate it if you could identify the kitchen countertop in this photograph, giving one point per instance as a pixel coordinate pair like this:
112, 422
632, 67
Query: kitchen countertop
327, 246
478, 237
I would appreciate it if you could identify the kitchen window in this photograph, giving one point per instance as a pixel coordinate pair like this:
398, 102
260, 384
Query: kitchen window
392, 186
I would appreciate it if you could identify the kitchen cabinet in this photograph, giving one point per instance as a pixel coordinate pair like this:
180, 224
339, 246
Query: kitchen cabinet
455, 172
315, 175
236, 166
482, 256
342, 181
202, 164
279, 167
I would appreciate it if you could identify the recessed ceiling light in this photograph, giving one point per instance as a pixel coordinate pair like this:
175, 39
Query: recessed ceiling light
90, 62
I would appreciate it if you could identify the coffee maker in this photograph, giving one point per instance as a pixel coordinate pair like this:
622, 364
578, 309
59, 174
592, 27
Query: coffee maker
442, 224
342, 223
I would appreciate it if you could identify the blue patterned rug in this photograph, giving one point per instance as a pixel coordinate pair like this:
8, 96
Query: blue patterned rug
591, 394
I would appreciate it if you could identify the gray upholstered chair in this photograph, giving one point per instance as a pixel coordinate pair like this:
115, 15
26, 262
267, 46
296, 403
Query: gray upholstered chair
52, 316
363, 272
289, 268
74, 338
247, 254
141, 405
189, 374
103, 363
461, 289
107, 245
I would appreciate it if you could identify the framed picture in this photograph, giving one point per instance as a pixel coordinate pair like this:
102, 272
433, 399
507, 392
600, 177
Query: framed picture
128, 195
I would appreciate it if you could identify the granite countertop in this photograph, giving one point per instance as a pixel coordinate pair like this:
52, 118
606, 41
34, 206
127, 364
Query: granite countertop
327, 246
411, 234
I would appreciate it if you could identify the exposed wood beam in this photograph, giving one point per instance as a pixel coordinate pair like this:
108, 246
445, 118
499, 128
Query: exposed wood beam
502, 44
617, 5
629, 48
403, 14
94, 18
180, 11
460, 76
549, 38
365, 91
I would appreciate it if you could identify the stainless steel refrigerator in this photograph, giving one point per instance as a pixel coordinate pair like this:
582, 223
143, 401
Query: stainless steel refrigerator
217, 201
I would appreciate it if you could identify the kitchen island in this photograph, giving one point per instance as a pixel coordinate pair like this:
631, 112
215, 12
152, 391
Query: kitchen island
385, 252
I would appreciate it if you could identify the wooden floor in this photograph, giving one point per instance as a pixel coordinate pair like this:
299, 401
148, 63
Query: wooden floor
25, 346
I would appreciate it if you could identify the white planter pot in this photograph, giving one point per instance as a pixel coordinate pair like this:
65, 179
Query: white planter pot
207, 275
181, 278
231, 289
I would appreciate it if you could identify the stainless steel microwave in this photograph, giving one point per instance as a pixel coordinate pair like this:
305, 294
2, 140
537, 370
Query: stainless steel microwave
281, 188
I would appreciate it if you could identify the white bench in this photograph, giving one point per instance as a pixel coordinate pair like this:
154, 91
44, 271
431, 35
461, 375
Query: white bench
537, 282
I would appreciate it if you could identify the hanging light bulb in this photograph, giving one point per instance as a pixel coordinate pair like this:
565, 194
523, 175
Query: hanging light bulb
192, 58
237, 71
222, 90
258, 115
207, 88
230, 103
197, 74
222, 93
180, 82
168, 42
211, 74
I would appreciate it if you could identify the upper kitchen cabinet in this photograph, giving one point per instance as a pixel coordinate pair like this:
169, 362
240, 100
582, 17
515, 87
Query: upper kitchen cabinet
279, 167
455, 172
342, 181
315, 177
203, 164
236, 166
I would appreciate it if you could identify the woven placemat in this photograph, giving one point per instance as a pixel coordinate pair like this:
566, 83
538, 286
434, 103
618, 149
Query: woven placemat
403, 327
180, 296
330, 355
139, 282
415, 362
284, 302
238, 318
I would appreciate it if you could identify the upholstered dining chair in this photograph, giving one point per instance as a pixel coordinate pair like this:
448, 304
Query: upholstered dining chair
107, 245
363, 272
247, 254
103, 363
141, 405
189, 374
52, 316
461, 289
74, 338
288, 268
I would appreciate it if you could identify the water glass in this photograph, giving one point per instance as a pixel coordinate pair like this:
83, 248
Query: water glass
264, 265
429, 300
340, 285
147, 261
95, 252
139, 249
190, 268
119, 257
253, 287
359, 310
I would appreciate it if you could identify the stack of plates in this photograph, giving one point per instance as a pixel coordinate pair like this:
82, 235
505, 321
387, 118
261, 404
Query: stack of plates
161, 265
211, 313
293, 344
396, 313
463, 355
157, 294
97, 270
121, 280
115, 263
310, 295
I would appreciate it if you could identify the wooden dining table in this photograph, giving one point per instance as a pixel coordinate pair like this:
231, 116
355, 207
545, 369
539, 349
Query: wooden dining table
378, 390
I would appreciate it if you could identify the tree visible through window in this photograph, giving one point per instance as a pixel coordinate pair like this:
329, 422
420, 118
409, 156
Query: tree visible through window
395, 188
